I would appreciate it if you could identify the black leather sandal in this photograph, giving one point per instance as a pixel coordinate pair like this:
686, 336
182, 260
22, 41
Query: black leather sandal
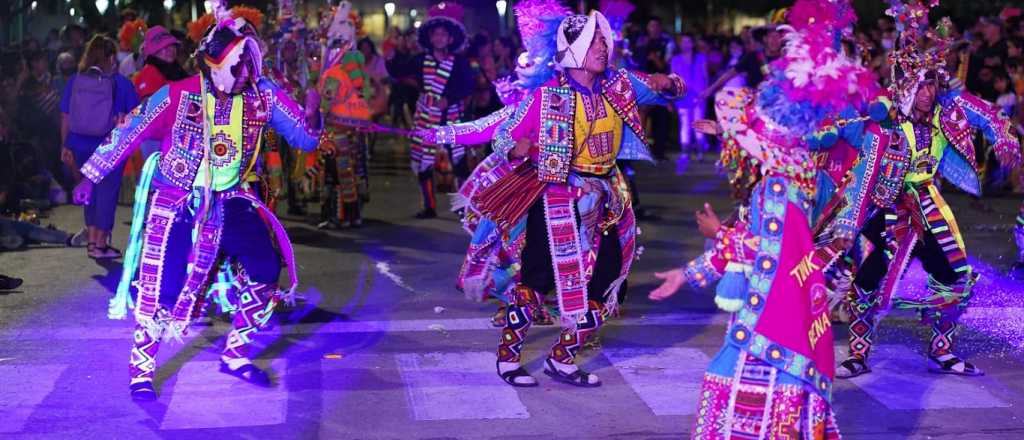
510, 377
940, 367
854, 367
577, 378
248, 372
143, 391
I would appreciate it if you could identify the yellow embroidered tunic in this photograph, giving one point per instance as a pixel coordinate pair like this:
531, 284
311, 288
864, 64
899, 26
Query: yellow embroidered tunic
225, 160
598, 135
924, 162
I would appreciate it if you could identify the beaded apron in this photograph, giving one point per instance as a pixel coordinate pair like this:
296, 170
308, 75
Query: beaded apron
166, 204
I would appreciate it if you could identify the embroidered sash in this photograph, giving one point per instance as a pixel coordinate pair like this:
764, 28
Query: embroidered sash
564, 241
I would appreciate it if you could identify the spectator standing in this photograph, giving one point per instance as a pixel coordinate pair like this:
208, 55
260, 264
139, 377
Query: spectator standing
160, 54
38, 115
67, 66
376, 69
73, 40
92, 102
736, 53
405, 89
692, 67
987, 59
504, 56
130, 39
52, 43
481, 58
652, 55
1007, 98
764, 46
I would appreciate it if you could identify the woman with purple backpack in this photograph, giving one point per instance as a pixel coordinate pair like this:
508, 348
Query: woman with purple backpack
93, 101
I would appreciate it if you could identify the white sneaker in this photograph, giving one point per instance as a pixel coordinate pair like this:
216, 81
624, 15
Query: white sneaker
80, 239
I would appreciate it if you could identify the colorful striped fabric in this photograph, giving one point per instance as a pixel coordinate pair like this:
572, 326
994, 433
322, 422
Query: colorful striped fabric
429, 114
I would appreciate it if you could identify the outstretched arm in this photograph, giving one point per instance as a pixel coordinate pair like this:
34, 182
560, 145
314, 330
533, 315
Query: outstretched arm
480, 131
994, 124
299, 126
656, 89
151, 120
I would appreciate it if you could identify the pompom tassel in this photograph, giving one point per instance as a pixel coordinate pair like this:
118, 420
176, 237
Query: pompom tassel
730, 291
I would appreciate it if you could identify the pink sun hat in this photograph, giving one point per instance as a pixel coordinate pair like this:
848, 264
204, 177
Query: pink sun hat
157, 38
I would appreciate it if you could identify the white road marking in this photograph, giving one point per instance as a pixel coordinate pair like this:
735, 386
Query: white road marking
393, 326
385, 269
667, 379
22, 389
203, 397
899, 379
457, 386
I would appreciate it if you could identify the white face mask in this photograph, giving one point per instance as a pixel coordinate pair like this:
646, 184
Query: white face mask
888, 43
224, 79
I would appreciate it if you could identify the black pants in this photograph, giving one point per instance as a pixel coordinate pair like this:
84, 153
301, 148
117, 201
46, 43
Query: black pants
927, 251
538, 272
245, 238
661, 130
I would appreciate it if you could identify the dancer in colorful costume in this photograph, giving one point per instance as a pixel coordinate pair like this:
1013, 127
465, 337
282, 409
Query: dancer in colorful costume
773, 376
344, 90
1018, 236
290, 172
894, 204
549, 210
201, 209
446, 80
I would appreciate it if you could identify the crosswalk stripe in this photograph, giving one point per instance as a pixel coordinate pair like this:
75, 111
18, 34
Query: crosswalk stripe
22, 389
393, 326
666, 379
205, 398
899, 380
457, 386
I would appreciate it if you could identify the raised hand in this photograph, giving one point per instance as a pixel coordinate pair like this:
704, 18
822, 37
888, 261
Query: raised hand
671, 282
707, 126
521, 149
659, 82
708, 222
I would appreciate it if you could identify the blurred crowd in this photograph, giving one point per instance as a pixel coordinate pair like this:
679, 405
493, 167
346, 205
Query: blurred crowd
43, 142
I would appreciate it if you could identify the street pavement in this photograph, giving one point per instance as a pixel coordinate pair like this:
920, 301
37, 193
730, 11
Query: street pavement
386, 348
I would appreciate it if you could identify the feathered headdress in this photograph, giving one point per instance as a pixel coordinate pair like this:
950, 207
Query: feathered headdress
198, 28
131, 35
920, 50
231, 34
814, 79
538, 22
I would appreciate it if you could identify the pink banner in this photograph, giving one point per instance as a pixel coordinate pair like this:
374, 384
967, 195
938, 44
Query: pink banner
797, 315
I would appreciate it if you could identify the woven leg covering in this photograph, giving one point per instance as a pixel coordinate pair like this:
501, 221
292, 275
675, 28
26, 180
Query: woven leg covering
142, 366
570, 340
518, 319
864, 315
254, 306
